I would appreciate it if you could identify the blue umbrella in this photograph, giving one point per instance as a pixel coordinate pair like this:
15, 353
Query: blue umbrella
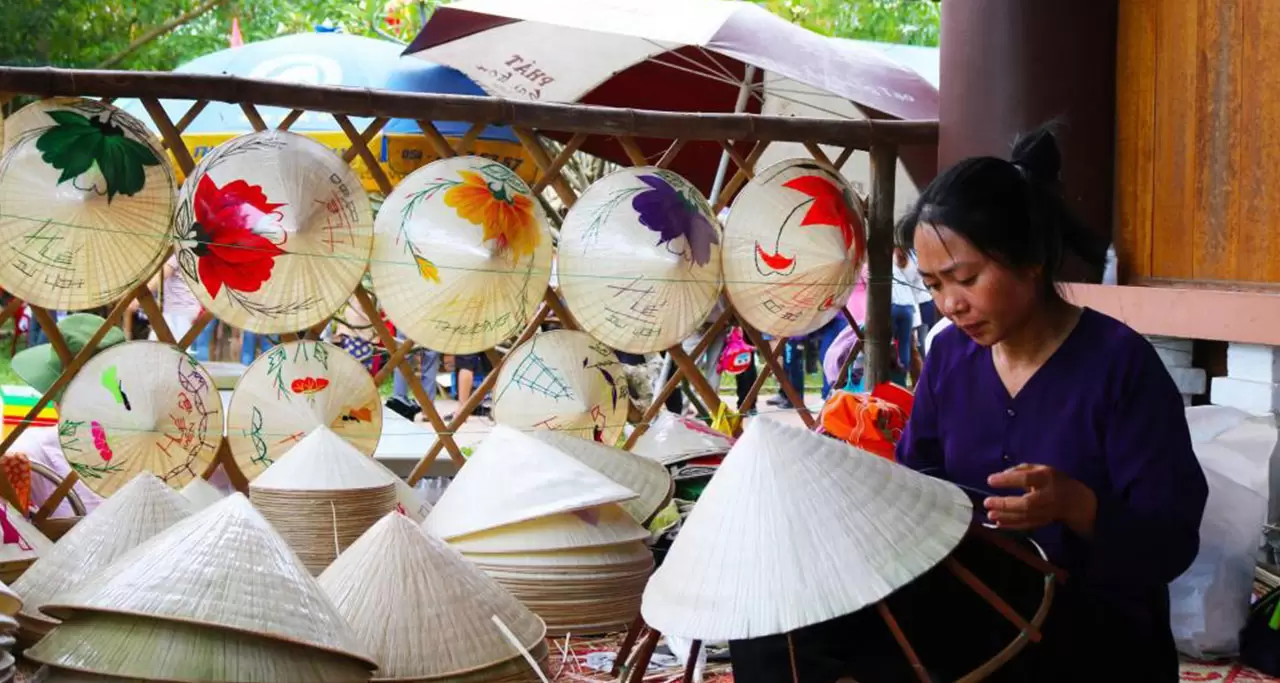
334, 59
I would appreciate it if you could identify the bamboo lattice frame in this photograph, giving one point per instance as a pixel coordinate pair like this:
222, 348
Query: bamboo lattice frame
575, 124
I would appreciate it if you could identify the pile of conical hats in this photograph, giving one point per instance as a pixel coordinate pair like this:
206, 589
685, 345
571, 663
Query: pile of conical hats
821, 528
551, 530
201, 494
141, 509
10, 604
322, 495
217, 597
21, 543
427, 614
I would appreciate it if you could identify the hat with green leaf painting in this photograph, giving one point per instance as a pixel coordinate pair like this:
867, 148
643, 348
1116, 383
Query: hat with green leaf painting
40, 365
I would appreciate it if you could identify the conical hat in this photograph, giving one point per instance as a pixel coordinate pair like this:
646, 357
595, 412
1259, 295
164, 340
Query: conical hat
600, 526
639, 260
141, 509
323, 461
512, 477
566, 381
274, 232
88, 194
820, 527
290, 391
631, 552
154, 650
225, 567
649, 479
671, 439
140, 407
20, 541
794, 244
201, 494
461, 255
10, 605
420, 608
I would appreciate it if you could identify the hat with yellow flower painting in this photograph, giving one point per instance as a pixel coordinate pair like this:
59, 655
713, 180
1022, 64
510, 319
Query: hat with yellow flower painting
461, 255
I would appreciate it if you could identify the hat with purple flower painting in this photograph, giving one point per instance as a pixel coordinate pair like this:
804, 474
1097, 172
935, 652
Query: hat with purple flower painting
639, 260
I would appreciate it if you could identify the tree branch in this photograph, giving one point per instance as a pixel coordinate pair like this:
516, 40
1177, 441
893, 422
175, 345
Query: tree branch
159, 31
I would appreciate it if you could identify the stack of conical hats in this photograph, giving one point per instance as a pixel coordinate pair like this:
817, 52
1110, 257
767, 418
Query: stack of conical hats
201, 494
217, 597
427, 614
10, 604
409, 502
321, 495
821, 528
551, 530
21, 543
650, 481
141, 509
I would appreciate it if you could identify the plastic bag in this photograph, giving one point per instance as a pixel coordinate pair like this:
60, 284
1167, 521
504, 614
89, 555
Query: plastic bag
1209, 603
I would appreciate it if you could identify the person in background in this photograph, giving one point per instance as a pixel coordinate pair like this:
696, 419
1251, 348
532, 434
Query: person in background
904, 312
180, 308
468, 367
1062, 422
401, 399
39, 366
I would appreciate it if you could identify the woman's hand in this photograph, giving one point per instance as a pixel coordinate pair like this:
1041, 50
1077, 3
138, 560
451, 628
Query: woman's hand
1051, 496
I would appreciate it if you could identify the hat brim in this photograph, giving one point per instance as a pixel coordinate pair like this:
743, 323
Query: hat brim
38, 366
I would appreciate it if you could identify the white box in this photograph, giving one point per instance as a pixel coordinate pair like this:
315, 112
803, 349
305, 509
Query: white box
1255, 398
1253, 362
1173, 357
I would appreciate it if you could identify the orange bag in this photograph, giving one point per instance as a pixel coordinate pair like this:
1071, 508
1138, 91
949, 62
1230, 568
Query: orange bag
17, 469
866, 421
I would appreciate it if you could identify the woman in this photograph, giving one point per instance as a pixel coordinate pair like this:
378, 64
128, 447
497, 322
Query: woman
1063, 419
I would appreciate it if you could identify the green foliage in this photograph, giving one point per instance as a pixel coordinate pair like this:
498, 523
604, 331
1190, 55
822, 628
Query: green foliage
909, 22
87, 33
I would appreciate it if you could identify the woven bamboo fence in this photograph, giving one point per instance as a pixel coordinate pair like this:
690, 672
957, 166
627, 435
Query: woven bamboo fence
744, 138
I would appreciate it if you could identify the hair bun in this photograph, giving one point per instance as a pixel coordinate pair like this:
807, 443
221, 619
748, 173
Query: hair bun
1037, 155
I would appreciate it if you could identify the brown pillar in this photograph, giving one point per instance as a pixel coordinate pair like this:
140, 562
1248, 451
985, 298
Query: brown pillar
1010, 65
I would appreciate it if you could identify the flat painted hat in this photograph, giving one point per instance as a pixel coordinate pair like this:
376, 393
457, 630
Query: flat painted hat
87, 195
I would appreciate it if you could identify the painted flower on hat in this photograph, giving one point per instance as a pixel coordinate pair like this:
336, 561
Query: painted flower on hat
77, 144
831, 205
228, 250
668, 212
505, 214
309, 385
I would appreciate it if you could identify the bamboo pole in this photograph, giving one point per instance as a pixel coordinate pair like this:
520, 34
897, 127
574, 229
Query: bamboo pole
878, 339
363, 102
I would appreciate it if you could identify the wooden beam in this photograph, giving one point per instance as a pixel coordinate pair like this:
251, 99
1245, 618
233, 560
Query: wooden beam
364, 102
878, 341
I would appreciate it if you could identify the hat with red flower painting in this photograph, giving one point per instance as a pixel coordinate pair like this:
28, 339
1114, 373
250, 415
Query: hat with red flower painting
462, 255
795, 241
40, 366
273, 232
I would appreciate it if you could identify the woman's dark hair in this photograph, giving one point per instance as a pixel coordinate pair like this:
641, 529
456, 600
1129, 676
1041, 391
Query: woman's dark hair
1011, 211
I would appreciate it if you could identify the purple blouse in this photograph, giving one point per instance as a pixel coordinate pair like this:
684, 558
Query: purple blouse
1103, 410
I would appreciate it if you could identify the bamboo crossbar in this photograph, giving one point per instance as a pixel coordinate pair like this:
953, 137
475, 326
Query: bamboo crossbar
364, 102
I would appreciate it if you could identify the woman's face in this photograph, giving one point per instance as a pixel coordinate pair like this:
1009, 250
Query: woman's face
983, 298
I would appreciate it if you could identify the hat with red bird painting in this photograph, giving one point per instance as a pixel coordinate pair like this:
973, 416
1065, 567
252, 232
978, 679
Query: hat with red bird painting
794, 244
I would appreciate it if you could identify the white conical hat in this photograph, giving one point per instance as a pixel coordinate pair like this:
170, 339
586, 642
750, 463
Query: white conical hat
671, 439
629, 553
600, 526
420, 608
20, 540
294, 388
88, 195
648, 478
225, 567
512, 477
323, 461
138, 648
274, 232
794, 245
563, 380
461, 255
408, 501
141, 509
820, 527
639, 259
140, 407
201, 494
